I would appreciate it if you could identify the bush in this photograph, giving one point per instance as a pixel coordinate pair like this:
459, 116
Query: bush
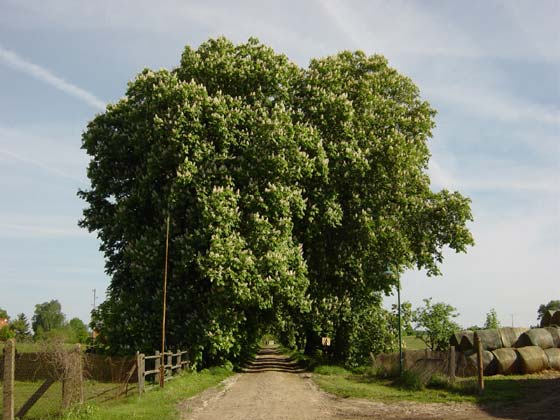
330, 370
410, 380
438, 381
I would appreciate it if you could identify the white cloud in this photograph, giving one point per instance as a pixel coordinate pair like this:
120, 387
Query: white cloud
58, 155
480, 173
13, 60
492, 104
39, 226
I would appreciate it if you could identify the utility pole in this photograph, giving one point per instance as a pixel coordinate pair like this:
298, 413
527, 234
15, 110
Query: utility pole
162, 363
512, 320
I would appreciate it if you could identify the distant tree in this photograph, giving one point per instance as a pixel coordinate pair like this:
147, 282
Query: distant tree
3, 314
435, 324
407, 316
78, 330
474, 328
20, 327
553, 305
492, 320
6, 333
48, 316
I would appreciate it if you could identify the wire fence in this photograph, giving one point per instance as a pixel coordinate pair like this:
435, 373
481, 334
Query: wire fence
42, 384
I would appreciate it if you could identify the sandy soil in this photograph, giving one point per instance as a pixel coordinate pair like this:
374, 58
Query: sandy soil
274, 388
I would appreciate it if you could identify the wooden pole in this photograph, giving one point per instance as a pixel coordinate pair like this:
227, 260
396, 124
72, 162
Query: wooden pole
158, 367
452, 363
480, 360
8, 385
140, 371
162, 367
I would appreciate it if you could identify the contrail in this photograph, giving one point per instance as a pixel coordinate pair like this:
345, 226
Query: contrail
13, 60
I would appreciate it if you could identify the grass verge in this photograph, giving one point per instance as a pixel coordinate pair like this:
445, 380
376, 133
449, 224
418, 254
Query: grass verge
498, 389
157, 403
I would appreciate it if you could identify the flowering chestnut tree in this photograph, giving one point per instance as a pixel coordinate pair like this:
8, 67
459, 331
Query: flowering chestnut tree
288, 190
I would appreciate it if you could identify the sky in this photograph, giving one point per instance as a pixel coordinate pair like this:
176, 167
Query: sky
490, 68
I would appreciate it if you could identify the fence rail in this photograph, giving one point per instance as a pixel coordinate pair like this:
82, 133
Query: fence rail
44, 383
166, 363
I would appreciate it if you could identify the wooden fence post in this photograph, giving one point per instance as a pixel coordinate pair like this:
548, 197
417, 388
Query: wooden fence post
179, 360
79, 372
452, 362
170, 363
72, 385
8, 385
480, 360
140, 368
157, 366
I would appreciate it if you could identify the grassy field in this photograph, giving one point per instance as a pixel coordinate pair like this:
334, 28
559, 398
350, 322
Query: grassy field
100, 403
412, 342
502, 389
31, 346
51, 402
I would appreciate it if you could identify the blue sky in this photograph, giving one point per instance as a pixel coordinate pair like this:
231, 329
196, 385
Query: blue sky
490, 68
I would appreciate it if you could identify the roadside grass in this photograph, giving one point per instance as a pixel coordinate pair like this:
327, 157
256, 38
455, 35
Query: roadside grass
156, 403
498, 389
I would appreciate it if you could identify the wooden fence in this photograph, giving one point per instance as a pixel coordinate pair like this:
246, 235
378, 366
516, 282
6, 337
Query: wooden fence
167, 363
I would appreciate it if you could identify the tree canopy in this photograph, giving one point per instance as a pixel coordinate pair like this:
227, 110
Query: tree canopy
48, 316
492, 320
436, 325
553, 305
288, 189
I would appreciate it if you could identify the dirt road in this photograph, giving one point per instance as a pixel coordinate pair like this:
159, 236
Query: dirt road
274, 388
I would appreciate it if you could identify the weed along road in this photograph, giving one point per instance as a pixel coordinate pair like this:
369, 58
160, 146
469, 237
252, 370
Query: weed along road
273, 387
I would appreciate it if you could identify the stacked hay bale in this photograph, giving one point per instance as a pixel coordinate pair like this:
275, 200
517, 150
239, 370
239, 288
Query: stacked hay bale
510, 350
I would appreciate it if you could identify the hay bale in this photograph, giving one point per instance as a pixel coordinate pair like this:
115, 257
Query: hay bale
467, 341
553, 356
532, 359
536, 337
510, 335
490, 339
489, 363
455, 339
506, 361
555, 319
546, 319
555, 333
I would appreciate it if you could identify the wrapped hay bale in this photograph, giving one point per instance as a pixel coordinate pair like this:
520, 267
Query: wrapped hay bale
510, 335
555, 319
506, 361
532, 359
455, 339
536, 337
490, 339
555, 333
546, 319
488, 362
467, 341
553, 356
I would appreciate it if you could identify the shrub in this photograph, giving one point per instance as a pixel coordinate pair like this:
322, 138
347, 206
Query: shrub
330, 370
410, 380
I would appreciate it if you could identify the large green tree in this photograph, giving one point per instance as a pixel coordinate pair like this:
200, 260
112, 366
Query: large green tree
48, 316
288, 190
435, 324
